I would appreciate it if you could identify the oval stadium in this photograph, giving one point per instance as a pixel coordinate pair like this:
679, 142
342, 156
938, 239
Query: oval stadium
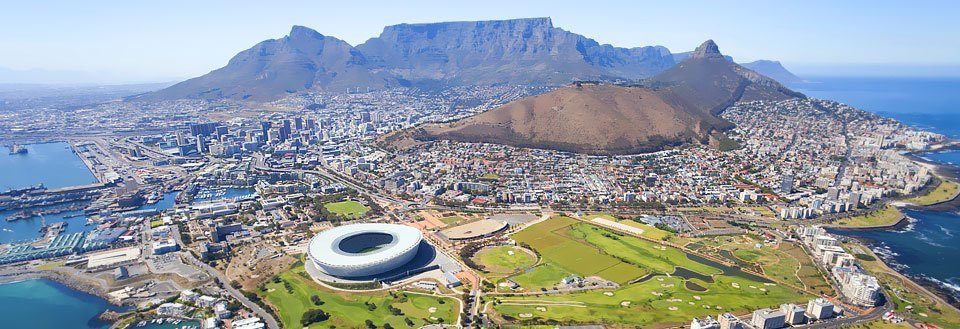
363, 250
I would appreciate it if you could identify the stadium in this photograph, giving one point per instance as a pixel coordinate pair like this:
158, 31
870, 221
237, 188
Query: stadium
364, 250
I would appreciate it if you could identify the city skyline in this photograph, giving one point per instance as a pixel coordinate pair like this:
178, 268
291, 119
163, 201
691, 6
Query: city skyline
150, 43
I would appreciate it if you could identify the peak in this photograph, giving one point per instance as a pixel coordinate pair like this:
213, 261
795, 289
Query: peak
708, 49
302, 31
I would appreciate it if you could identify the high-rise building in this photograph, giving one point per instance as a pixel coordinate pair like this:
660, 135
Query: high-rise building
203, 129
298, 123
786, 184
201, 145
833, 193
285, 130
854, 199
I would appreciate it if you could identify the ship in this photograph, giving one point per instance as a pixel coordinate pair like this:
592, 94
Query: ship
17, 149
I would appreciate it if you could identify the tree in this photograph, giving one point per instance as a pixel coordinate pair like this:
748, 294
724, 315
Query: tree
370, 324
313, 316
316, 300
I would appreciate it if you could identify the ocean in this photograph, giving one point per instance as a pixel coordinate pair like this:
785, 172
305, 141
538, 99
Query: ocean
29, 304
53, 164
48, 304
927, 246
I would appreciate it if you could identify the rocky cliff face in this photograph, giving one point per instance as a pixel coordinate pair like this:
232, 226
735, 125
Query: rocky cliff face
434, 55
522, 51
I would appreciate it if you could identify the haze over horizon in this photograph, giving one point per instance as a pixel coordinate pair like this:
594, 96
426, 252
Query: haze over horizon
120, 42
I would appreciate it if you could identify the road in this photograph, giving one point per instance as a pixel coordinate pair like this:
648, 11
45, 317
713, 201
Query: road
259, 311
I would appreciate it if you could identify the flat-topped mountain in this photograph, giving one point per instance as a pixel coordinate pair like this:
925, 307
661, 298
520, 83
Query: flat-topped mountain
435, 55
681, 106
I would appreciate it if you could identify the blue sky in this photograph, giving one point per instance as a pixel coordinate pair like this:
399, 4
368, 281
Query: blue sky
138, 41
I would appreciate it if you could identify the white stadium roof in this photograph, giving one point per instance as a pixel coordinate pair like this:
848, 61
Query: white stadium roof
374, 248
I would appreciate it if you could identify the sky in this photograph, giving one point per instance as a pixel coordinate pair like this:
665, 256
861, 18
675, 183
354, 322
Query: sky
152, 41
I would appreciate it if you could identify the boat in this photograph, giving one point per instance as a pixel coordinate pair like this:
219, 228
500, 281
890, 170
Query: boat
17, 149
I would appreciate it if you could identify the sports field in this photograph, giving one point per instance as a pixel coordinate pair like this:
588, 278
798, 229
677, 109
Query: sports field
351, 309
348, 209
505, 259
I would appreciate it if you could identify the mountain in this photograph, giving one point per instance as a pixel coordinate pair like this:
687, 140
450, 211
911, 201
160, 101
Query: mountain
592, 119
774, 70
709, 81
529, 50
771, 69
434, 55
302, 60
518, 51
675, 107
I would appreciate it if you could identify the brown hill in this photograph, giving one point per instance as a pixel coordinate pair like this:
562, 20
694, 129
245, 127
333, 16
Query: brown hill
680, 107
592, 119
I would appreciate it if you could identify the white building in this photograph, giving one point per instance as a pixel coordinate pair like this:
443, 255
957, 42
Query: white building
766, 318
706, 323
819, 309
861, 289
793, 314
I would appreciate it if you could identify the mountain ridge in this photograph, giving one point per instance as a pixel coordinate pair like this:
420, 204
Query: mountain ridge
681, 106
427, 55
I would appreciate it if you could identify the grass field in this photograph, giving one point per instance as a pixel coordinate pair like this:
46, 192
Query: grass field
658, 300
348, 310
785, 262
452, 220
554, 240
349, 209
888, 215
505, 259
943, 192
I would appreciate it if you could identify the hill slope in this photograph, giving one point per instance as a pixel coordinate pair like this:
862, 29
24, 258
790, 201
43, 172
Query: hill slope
681, 107
712, 83
773, 70
592, 119
302, 60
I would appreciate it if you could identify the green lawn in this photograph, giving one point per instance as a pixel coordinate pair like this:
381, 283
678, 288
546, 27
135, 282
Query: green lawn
349, 209
347, 310
649, 302
554, 240
660, 300
888, 215
543, 276
943, 192
451, 220
505, 259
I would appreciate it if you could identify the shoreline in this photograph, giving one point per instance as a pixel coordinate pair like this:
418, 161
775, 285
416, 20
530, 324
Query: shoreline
925, 285
71, 281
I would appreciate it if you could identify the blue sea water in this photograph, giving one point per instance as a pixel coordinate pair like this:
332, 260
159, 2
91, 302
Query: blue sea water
36, 304
53, 164
928, 246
